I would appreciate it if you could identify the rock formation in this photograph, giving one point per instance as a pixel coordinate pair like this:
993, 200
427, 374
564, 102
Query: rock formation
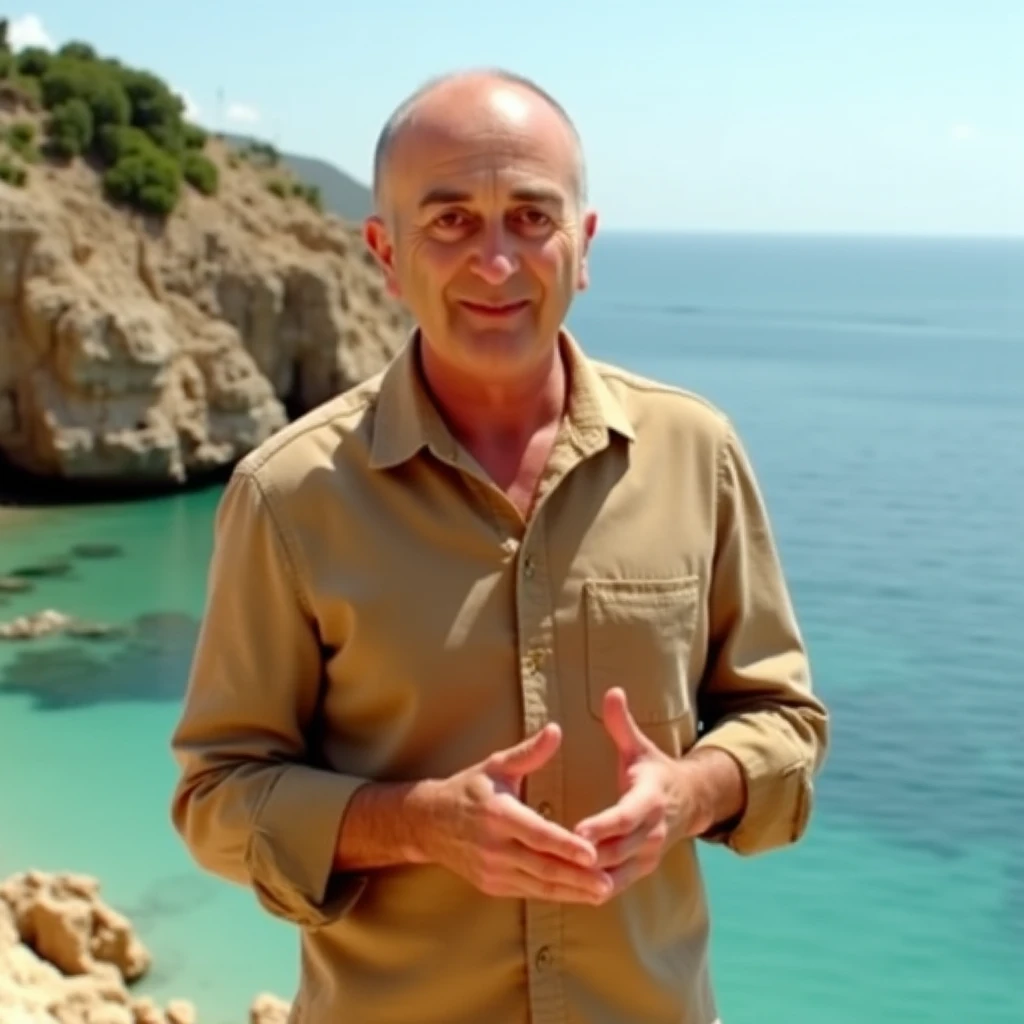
155, 350
66, 957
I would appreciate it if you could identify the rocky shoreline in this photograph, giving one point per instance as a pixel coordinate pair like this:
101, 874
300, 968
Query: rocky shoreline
67, 957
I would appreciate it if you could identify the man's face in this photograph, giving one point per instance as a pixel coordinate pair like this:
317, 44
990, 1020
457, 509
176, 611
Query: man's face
481, 233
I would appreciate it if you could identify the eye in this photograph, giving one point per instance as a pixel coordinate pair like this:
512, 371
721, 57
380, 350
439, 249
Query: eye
450, 220
532, 220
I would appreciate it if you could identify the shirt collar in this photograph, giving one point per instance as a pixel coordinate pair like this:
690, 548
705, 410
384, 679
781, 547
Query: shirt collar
407, 419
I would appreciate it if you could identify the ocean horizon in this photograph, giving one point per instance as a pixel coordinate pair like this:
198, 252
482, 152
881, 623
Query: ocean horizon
878, 383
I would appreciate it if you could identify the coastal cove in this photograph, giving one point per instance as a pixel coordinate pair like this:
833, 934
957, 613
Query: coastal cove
879, 386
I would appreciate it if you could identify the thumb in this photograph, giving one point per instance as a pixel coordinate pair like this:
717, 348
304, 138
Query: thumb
529, 755
624, 731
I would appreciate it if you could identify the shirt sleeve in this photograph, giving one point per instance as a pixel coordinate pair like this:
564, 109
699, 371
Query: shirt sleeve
756, 700
249, 802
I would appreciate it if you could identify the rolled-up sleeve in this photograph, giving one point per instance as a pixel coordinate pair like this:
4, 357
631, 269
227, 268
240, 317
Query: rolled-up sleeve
249, 803
756, 700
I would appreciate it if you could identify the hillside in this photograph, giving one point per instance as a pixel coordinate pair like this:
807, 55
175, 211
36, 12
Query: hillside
340, 194
167, 300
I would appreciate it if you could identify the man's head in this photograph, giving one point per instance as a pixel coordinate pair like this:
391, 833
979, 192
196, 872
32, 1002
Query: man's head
480, 226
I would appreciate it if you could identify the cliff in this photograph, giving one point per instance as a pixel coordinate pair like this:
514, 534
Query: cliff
166, 300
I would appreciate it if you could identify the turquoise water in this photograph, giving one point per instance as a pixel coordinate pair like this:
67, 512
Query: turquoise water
880, 388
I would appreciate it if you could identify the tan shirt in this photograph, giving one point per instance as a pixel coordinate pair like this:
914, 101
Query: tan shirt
378, 610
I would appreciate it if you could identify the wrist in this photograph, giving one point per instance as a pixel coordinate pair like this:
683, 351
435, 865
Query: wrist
714, 787
386, 824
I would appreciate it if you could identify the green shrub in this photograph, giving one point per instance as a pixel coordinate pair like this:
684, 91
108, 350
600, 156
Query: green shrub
33, 60
279, 188
68, 79
78, 51
264, 153
126, 118
71, 129
155, 109
114, 142
21, 138
148, 181
308, 193
28, 87
201, 173
22, 133
195, 137
12, 173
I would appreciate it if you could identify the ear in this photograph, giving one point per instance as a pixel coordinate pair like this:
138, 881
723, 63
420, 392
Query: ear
589, 230
378, 241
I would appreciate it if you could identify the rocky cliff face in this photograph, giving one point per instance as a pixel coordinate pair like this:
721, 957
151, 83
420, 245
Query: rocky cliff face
152, 351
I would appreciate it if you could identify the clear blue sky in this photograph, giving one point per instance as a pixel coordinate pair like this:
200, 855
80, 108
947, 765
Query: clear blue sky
902, 116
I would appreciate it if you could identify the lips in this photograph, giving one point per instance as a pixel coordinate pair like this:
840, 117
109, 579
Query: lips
494, 310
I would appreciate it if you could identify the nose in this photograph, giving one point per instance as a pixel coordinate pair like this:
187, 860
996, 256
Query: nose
495, 260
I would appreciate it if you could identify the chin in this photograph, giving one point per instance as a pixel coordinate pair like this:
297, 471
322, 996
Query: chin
500, 349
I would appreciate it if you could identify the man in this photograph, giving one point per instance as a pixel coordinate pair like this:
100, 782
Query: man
494, 637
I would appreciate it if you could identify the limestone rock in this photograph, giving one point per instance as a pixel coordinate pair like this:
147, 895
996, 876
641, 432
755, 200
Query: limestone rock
66, 957
268, 1009
153, 353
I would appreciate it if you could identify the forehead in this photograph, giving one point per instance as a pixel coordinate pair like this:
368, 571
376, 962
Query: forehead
492, 144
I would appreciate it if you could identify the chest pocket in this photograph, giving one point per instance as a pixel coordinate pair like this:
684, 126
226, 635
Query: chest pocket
639, 636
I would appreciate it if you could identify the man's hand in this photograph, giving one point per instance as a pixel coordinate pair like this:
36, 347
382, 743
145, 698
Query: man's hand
480, 829
656, 806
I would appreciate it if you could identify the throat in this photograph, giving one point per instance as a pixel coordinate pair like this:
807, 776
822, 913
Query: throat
516, 465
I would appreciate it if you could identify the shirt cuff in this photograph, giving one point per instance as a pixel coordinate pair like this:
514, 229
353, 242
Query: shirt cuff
293, 845
779, 787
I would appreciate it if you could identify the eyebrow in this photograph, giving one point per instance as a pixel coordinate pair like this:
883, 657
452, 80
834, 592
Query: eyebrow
444, 196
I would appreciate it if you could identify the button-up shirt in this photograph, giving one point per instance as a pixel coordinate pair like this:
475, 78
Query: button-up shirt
379, 610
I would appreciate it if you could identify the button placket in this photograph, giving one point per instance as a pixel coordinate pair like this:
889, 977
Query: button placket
541, 704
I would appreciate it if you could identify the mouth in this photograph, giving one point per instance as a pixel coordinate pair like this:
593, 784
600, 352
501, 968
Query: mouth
494, 311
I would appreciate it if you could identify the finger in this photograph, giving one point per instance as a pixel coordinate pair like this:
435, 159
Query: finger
542, 868
621, 726
521, 823
614, 852
527, 756
527, 887
628, 874
621, 819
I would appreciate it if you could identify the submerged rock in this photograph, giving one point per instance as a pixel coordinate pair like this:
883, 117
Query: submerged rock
53, 567
49, 622
15, 585
97, 550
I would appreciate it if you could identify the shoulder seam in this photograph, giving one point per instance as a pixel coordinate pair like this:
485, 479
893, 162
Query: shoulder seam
259, 456
623, 376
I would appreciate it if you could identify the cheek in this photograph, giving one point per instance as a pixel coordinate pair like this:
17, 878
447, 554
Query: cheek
556, 261
432, 265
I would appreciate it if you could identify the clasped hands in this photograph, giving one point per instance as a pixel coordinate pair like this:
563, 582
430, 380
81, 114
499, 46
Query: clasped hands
506, 849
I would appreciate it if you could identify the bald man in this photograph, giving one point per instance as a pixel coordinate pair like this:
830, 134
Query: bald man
496, 637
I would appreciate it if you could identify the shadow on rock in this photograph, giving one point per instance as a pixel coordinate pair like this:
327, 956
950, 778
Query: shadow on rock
149, 664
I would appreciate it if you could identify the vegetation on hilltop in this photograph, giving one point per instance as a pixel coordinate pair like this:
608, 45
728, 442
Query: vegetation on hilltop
125, 120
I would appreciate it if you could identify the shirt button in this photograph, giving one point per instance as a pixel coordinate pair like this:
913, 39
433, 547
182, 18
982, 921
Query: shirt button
528, 568
544, 958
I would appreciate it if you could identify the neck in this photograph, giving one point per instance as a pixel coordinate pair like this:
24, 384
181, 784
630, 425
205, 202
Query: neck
504, 413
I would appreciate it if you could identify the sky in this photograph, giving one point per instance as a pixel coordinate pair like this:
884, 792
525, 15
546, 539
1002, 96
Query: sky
901, 117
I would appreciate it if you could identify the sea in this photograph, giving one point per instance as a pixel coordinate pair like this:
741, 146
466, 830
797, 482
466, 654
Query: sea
879, 386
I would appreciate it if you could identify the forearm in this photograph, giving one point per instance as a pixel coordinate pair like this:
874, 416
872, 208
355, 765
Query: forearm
716, 786
386, 824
